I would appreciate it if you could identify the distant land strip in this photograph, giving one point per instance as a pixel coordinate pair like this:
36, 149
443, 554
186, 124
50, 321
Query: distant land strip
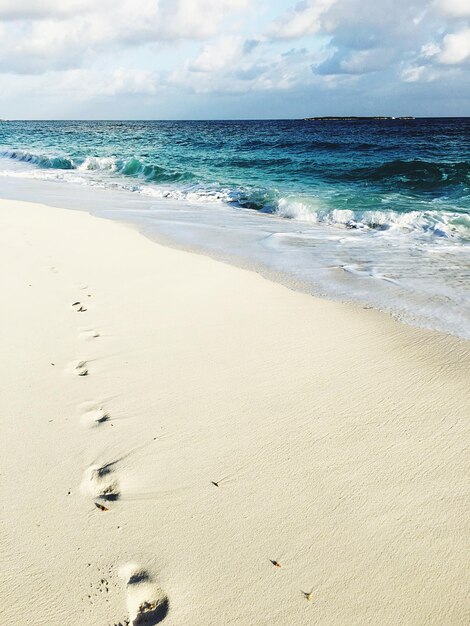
349, 118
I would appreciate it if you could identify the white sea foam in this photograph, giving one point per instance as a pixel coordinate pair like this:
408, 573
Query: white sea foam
98, 163
438, 223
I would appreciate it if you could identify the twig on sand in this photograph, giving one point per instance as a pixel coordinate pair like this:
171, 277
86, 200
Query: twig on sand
101, 507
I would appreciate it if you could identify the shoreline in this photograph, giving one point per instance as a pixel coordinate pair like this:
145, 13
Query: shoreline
158, 220
224, 422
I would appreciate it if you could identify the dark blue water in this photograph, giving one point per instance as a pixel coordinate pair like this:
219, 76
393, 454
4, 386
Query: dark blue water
387, 201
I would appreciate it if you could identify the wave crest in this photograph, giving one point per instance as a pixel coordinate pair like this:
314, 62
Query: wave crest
424, 175
131, 167
41, 160
436, 223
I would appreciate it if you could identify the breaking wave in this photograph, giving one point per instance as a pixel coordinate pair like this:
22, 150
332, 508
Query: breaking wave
153, 180
41, 160
447, 224
131, 167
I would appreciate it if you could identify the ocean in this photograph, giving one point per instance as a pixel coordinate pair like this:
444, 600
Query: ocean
372, 211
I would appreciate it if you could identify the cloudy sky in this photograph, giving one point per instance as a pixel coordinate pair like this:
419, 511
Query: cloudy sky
199, 59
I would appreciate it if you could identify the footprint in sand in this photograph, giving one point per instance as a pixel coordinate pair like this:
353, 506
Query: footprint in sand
95, 417
100, 482
89, 333
147, 603
78, 306
81, 368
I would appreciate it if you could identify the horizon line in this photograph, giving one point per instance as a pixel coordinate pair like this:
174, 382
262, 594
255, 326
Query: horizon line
240, 119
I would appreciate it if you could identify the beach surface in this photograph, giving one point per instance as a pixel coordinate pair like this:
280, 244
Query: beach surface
185, 442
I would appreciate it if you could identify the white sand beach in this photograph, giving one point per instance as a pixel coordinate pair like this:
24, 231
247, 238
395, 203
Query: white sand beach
186, 443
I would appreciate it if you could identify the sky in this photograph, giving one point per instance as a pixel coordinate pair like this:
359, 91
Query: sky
233, 59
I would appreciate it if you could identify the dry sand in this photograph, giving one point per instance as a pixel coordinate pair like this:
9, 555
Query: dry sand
223, 422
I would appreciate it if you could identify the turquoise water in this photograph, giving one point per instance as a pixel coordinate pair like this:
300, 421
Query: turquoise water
376, 211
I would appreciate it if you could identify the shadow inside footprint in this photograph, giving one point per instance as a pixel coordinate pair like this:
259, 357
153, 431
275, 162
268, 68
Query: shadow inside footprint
95, 417
149, 614
147, 604
109, 497
81, 368
138, 577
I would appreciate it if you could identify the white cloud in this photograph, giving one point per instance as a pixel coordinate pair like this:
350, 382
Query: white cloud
216, 56
429, 50
413, 74
455, 47
419, 74
196, 19
408, 38
361, 17
355, 62
40, 9
110, 48
51, 35
229, 65
130, 81
303, 19
458, 8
